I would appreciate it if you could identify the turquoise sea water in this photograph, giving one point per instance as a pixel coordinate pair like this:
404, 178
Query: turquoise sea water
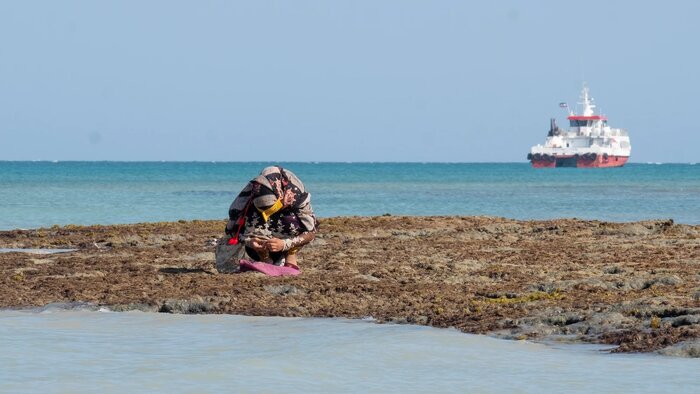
34, 194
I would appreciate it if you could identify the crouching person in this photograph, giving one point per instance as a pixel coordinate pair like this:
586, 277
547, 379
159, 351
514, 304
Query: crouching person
273, 217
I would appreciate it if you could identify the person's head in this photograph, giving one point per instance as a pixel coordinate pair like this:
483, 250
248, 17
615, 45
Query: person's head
265, 201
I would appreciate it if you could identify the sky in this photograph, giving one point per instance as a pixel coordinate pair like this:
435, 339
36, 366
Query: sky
358, 81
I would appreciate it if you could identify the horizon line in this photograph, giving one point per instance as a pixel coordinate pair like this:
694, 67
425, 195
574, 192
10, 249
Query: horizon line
304, 162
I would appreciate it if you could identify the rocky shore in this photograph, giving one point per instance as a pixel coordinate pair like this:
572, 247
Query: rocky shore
633, 285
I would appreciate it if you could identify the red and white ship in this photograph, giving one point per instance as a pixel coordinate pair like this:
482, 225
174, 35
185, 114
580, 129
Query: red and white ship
590, 143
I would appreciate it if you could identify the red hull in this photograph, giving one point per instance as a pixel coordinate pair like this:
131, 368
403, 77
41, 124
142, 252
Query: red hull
580, 162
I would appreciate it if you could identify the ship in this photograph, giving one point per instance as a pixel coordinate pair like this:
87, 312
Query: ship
589, 143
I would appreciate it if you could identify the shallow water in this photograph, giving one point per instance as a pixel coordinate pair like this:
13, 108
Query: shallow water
87, 351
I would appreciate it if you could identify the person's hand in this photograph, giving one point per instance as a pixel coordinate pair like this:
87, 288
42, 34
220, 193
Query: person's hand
258, 245
274, 245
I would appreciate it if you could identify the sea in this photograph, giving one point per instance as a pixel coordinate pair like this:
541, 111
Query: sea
42, 194
87, 348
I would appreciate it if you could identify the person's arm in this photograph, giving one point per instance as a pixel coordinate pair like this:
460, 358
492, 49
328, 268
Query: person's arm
283, 245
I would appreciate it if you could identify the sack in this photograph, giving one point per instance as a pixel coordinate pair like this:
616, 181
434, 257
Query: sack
229, 256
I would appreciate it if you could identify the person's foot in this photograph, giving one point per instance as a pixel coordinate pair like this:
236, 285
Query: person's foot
291, 261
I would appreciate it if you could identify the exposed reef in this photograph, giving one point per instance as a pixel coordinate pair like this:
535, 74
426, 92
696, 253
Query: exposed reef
633, 285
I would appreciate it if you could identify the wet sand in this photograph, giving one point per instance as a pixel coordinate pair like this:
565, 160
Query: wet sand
634, 285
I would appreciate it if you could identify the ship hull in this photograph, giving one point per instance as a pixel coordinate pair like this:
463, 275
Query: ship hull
580, 162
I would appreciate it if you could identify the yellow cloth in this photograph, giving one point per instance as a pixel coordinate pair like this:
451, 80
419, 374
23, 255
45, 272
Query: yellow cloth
271, 211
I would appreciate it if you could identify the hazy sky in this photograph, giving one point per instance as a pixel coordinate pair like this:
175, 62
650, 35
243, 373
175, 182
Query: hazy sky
464, 81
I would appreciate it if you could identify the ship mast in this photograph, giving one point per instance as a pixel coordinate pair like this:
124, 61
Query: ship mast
587, 101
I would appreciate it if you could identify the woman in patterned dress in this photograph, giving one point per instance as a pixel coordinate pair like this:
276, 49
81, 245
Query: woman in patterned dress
272, 215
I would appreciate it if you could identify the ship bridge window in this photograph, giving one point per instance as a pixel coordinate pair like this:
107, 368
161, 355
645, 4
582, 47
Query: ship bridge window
579, 123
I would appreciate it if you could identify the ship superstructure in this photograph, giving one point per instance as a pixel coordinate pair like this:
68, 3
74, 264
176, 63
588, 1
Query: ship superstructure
589, 143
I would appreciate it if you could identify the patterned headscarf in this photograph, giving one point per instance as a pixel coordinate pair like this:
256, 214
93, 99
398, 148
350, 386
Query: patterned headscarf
273, 190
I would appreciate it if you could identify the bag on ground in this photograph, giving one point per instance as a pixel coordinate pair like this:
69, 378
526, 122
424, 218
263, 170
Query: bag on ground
228, 257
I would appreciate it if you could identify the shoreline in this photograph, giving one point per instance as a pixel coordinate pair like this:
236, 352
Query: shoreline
635, 285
